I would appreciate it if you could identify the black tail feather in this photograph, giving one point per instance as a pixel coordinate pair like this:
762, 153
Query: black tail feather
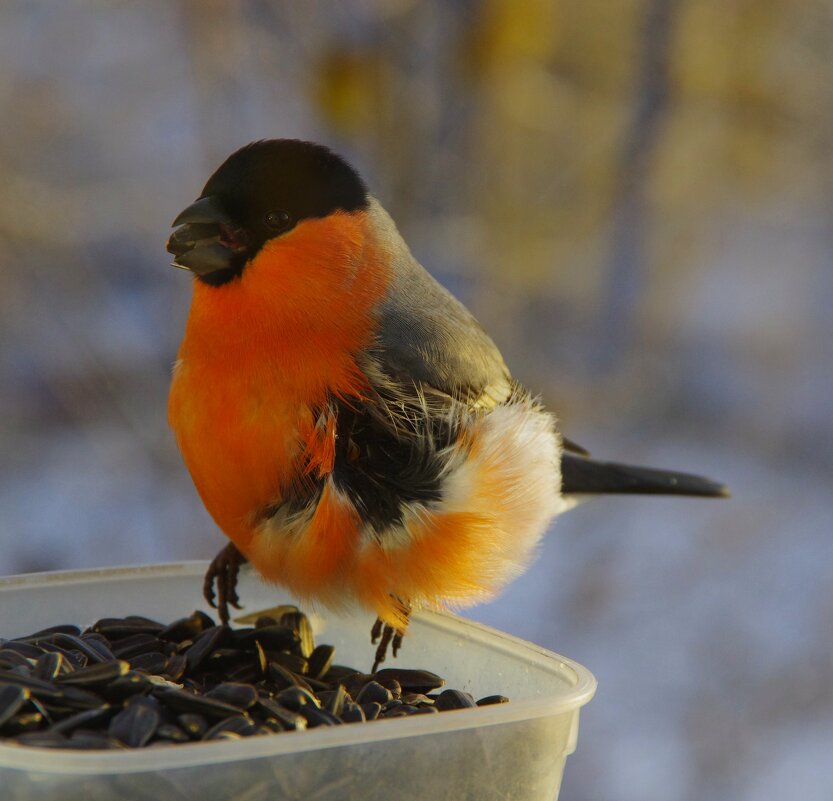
582, 476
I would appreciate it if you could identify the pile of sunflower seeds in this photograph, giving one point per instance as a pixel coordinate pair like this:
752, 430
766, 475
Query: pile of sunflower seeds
131, 682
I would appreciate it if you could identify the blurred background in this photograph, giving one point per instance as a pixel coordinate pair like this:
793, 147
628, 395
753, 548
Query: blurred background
635, 200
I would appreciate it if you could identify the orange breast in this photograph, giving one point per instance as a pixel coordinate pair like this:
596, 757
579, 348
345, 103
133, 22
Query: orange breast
260, 353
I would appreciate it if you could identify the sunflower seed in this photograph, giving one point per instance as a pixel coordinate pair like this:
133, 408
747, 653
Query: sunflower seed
193, 725
415, 681
236, 724
489, 700
287, 718
295, 698
87, 717
127, 682
61, 629
183, 701
12, 698
318, 717
172, 732
205, 644
335, 704
135, 725
12, 659
152, 662
29, 650
373, 691
351, 712
320, 661
454, 699
137, 644
95, 674
187, 628
272, 638
371, 710
48, 666
241, 696
114, 628
299, 623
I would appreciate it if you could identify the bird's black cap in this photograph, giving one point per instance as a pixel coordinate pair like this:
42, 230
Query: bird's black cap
302, 178
259, 192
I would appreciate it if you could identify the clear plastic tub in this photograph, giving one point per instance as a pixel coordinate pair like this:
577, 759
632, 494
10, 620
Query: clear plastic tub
506, 751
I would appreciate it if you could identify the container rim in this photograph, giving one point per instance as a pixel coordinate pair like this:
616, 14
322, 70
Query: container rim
51, 760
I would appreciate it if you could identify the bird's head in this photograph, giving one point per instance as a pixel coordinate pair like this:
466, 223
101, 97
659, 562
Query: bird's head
261, 193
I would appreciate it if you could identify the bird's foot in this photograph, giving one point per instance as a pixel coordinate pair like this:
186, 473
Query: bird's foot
223, 571
388, 637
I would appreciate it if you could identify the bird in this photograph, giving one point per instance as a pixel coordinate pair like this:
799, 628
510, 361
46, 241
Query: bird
347, 422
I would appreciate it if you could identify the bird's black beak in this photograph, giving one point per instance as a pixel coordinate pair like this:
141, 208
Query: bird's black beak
206, 240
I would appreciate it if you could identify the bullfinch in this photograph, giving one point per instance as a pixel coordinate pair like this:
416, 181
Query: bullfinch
347, 422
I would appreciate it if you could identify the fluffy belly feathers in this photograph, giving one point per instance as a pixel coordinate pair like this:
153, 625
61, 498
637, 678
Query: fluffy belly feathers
499, 492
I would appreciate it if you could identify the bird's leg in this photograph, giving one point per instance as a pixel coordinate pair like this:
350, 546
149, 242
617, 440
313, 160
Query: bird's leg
223, 570
384, 642
388, 636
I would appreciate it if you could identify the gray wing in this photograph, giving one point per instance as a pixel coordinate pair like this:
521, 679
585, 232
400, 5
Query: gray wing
427, 336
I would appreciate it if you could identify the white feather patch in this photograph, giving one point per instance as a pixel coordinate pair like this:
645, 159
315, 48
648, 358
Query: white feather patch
512, 477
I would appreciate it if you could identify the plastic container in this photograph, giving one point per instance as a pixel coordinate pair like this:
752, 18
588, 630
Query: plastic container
508, 751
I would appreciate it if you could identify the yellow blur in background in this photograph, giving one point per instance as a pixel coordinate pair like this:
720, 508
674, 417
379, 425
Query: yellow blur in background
633, 197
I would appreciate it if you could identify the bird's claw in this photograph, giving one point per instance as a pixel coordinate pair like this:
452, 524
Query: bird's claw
388, 637
223, 571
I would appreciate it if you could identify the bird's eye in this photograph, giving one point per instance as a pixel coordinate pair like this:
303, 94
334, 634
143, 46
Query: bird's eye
277, 220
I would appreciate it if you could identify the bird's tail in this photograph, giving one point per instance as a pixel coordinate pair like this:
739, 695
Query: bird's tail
583, 476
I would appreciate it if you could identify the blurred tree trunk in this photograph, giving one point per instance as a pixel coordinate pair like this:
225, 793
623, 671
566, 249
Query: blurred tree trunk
631, 217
